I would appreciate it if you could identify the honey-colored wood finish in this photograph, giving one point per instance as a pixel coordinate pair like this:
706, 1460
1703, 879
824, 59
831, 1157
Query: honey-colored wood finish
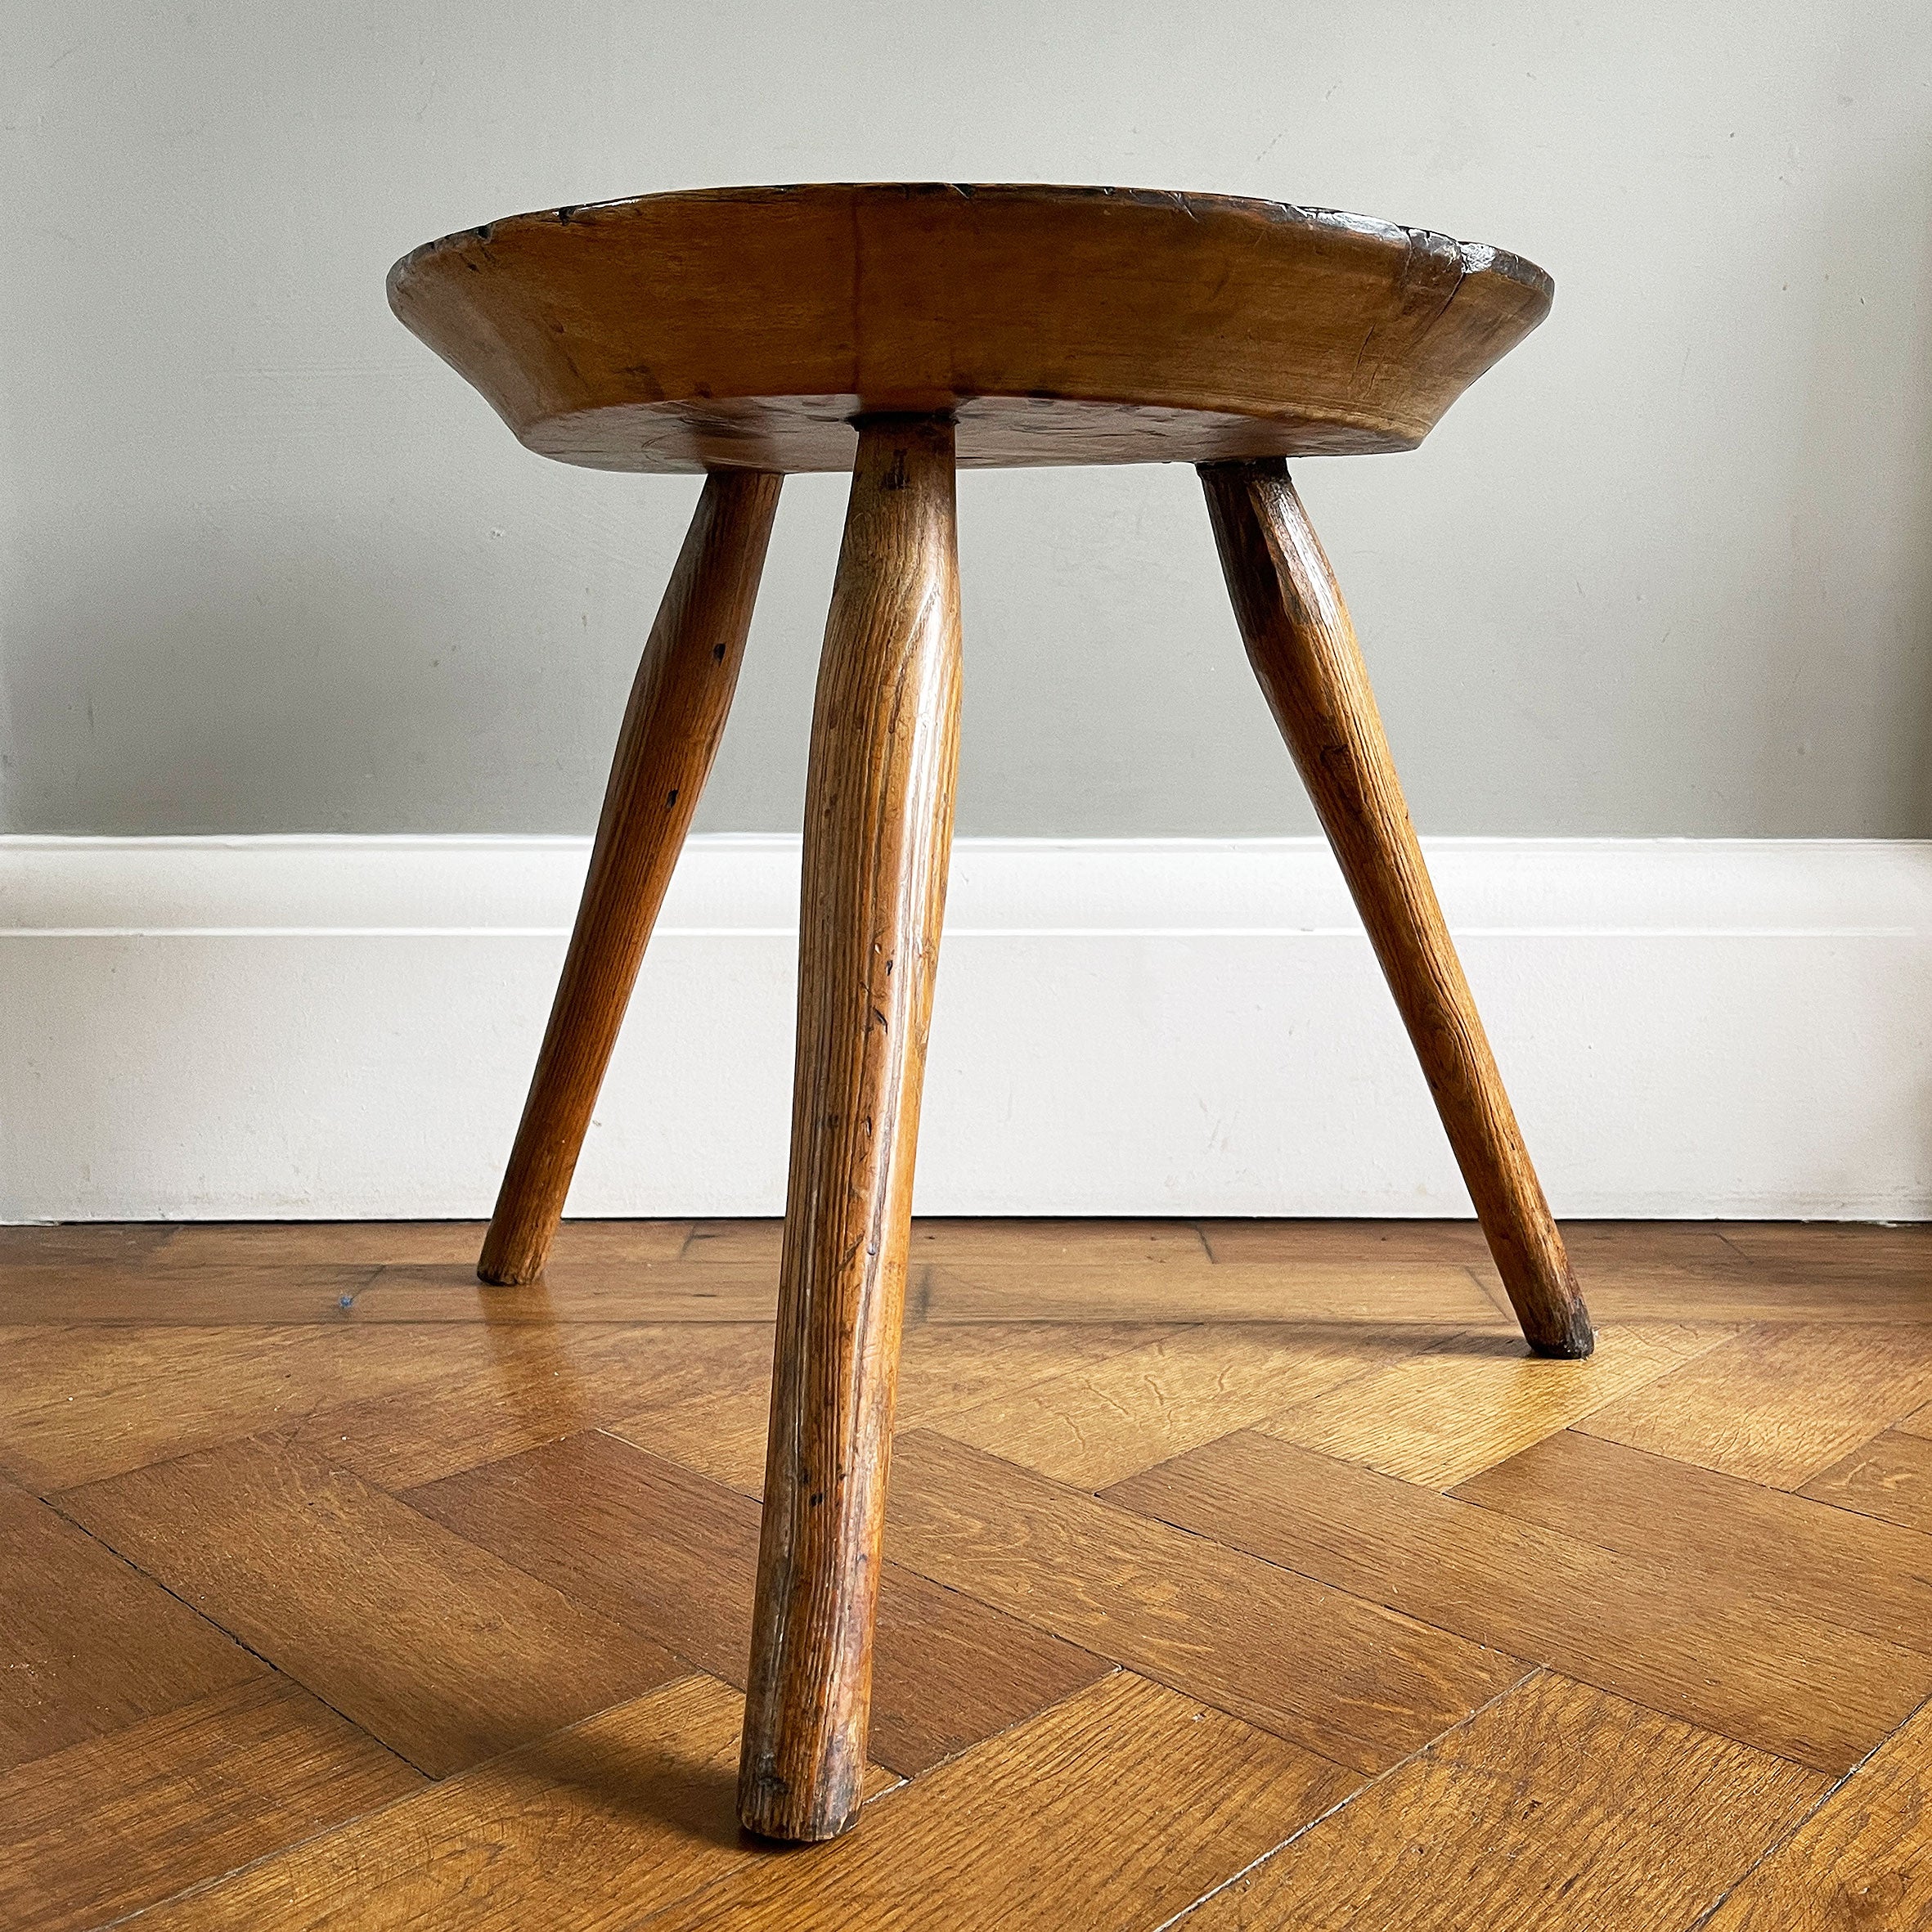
1433, 1272
1428, 1296
1438, 1418
1709, 1246
590, 1826
1333, 1673
748, 327
1731, 1410
180, 1798
571, 1292
1506, 1822
1816, 1693
673, 1555
1859, 1862
672, 724
1145, 1781
480, 1656
878, 815
1124, 1413
1595, 1686
1828, 1564
1889, 1477
77, 1408
942, 1372
1303, 651
538, 1383
88, 1644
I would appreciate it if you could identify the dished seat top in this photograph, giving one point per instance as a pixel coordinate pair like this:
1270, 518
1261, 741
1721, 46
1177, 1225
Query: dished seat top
747, 327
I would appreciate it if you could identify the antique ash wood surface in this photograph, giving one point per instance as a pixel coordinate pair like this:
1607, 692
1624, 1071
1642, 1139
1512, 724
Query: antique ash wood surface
1303, 651
317, 1617
879, 813
670, 732
747, 327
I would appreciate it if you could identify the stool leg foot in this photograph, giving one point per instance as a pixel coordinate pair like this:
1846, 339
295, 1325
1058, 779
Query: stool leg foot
671, 730
1303, 651
878, 831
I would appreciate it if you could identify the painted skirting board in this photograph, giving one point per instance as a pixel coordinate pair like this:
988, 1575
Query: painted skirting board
323, 1027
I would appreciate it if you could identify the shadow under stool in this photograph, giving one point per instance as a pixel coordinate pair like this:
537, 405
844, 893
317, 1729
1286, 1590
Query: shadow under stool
898, 332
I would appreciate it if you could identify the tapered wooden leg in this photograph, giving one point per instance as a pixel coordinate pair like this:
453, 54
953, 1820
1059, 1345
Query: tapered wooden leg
670, 731
1303, 651
878, 828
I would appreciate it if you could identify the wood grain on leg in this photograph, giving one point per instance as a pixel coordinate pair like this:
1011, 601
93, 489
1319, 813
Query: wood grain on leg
672, 727
878, 828
1303, 651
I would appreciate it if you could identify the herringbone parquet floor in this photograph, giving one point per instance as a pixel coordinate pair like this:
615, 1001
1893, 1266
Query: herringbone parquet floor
1242, 1574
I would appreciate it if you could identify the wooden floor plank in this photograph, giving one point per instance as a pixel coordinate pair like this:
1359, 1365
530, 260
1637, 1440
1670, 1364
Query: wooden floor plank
445, 1652
158, 1291
1819, 1695
88, 1645
411, 1244
1558, 1808
1028, 1242
1112, 1810
942, 1369
1097, 1424
592, 1827
1342, 1677
1044, 1240
1768, 1545
946, 1367
79, 1405
674, 1557
1837, 1247
721, 1435
1708, 1547
1860, 1863
1889, 1477
264, 1247
539, 1383
589, 1291
1776, 1405
80, 1242
1759, 1295
106, 1827
1435, 1418
1441, 1295
1591, 1244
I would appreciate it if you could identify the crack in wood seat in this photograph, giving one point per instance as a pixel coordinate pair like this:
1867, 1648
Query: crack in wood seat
899, 332
747, 327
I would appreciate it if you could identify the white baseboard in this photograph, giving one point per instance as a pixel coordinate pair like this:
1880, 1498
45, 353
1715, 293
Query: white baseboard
321, 1028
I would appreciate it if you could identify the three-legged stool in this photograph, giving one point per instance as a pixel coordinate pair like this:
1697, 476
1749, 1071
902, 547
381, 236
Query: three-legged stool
899, 332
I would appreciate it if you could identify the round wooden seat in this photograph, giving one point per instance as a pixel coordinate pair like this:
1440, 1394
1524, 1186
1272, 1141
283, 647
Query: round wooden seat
746, 328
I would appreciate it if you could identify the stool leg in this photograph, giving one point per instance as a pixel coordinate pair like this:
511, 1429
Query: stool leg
1303, 651
671, 727
877, 830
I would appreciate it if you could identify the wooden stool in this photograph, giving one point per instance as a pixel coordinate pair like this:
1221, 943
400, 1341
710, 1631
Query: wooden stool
899, 332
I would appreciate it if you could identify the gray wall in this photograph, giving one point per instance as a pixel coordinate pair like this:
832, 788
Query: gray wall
265, 565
